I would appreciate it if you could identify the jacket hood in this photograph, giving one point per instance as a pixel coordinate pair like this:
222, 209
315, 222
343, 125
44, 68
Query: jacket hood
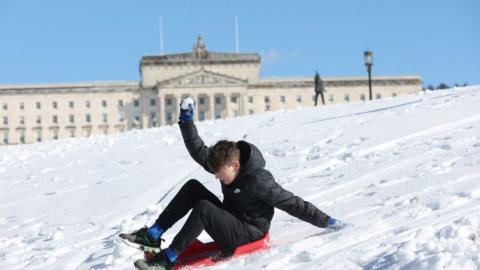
251, 159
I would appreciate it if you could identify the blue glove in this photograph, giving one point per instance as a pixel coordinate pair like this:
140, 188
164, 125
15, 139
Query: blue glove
187, 109
335, 224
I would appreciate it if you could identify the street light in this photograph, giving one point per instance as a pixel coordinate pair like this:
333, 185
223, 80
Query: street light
369, 63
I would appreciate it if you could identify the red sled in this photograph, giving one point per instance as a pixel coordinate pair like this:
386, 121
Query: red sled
200, 254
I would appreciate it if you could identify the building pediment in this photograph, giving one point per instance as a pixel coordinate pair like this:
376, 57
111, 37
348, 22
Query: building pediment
201, 78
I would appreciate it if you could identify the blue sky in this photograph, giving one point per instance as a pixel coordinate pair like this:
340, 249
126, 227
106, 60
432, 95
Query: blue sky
96, 40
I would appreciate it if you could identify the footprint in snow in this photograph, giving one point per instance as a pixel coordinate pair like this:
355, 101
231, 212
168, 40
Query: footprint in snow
444, 146
315, 153
277, 153
368, 194
302, 257
360, 140
345, 157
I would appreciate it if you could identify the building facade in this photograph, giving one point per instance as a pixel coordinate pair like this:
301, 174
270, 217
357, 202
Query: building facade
223, 84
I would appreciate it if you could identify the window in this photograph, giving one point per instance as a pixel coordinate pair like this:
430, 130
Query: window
38, 135
71, 132
38, 105
22, 120
347, 98
201, 116
235, 113
71, 118
362, 97
218, 100
394, 94
267, 103
136, 102
71, 105
299, 99
5, 136
233, 99
104, 103
153, 117
21, 136
38, 120
250, 111
330, 98
201, 101
88, 118
105, 131
55, 119
250, 99
379, 96
54, 105
87, 103
88, 132
169, 101
282, 99
104, 118
55, 133
120, 103
121, 117
169, 117
5, 106
5, 121
137, 119
21, 105
153, 102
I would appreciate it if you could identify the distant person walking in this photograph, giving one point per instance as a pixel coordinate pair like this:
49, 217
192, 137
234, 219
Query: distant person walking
319, 89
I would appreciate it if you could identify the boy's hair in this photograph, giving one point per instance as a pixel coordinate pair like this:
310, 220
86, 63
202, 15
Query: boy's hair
222, 153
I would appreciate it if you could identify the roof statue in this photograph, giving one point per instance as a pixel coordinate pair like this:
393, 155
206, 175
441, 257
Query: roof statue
200, 49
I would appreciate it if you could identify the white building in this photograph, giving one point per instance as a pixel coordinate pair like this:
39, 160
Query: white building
224, 85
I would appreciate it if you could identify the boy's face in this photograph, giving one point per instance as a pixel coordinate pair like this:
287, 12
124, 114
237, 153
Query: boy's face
228, 173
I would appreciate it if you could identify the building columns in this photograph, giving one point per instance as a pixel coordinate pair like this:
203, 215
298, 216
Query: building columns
197, 108
176, 107
144, 110
211, 106
242, 110
226, 106
161, 110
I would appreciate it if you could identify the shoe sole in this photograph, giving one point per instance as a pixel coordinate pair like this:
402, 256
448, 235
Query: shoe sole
143, 248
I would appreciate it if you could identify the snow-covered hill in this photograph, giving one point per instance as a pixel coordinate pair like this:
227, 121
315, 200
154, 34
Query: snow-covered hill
404, 173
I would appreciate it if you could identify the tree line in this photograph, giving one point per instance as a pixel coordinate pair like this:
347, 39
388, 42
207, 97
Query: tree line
442, 85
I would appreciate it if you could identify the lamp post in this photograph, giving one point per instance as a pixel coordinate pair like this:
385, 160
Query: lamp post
369, 63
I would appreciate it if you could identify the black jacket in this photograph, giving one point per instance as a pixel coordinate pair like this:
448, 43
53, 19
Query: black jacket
254, 193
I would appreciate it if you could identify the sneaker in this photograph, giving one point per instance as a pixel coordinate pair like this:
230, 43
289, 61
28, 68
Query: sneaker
158, 261
141, 237
335, 224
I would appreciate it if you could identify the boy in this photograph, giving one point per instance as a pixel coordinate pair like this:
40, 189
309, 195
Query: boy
250, 195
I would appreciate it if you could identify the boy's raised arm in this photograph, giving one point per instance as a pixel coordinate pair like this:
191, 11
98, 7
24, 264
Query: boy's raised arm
195, 145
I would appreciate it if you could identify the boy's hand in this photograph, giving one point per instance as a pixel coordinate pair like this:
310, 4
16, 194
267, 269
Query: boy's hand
335, 224
187, 109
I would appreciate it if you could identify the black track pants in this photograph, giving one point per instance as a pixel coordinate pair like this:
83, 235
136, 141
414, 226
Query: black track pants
209, 214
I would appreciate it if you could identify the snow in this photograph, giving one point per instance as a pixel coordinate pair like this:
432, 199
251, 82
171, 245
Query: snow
403, 173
